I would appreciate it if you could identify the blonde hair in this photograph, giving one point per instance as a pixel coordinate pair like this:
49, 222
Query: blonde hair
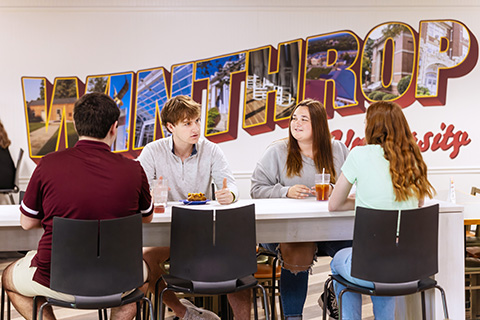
387, 126
321, 146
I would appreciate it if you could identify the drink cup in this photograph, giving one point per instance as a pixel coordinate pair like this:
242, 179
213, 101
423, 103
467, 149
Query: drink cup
160, 195
322, 186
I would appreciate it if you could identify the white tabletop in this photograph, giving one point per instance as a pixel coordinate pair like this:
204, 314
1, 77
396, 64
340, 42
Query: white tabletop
283, 208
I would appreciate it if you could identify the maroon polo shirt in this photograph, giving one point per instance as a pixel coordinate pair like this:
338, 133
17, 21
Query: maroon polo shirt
85, 182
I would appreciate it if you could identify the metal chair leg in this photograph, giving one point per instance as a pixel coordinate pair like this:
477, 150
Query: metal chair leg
40, 312
255, 305
5, 301
2, 315
422, 294
34, 308
156, 304
150, 307
265, 301
9, 309
274, 269
138, 314
159, 307
339, 300
444, 301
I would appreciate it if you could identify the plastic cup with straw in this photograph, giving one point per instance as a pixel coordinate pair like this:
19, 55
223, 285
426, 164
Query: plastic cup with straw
322, 185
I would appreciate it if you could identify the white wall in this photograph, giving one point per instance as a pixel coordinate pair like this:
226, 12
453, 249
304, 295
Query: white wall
79, 38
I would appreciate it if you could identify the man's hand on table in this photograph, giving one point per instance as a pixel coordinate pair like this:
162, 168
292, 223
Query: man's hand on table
224, 195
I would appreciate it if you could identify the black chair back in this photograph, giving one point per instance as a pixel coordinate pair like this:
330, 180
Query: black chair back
96, 257
15, 187
395, 246
17, 170
221, 249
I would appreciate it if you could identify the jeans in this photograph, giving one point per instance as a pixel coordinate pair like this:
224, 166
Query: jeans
293, 286
383, 307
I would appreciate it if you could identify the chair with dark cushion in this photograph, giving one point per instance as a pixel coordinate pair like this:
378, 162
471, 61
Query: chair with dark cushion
395, 249
212, 254
15, 187
97, 261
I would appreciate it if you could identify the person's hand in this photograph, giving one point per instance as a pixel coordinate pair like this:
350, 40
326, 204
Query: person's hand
224, 196
298, 191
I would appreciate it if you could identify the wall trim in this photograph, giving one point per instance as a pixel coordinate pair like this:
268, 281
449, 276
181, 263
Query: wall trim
242, 175
460, 170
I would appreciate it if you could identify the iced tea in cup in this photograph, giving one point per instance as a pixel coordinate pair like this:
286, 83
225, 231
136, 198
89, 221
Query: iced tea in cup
322, 186
160, 195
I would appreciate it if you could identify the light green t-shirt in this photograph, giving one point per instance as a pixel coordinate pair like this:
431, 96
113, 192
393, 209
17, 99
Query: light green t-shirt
367, 166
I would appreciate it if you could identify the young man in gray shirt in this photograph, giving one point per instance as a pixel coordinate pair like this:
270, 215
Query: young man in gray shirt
190, 164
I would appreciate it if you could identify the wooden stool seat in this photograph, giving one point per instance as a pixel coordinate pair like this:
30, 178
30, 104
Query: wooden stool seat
264, 271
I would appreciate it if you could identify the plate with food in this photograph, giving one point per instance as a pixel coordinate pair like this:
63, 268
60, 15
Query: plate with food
195, 198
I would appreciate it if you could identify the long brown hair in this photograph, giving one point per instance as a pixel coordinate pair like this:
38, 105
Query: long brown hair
321, 145
4, 141
387, 126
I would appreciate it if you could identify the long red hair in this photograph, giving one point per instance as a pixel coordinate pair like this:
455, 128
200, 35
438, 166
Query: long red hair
387, 126
322, 142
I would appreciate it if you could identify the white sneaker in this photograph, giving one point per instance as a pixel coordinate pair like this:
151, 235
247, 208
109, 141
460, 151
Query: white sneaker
195, 313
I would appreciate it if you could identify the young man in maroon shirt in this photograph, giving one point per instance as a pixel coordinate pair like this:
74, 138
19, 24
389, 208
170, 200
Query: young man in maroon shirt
85, 182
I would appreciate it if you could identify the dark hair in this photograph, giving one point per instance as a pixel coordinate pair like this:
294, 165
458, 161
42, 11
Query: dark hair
94, 114
179, 108
4, 141
321, 145
387, 126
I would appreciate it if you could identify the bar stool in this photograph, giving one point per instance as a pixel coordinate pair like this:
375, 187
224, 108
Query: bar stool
268, 274
472, 267
472, 285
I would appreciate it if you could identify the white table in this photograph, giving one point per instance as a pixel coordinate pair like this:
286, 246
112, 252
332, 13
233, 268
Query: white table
289, 220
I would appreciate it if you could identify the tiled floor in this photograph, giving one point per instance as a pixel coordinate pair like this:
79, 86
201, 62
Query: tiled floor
311, 310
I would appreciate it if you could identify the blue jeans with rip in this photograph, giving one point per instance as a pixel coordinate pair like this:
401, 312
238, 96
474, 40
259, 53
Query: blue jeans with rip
383, 307
294, 286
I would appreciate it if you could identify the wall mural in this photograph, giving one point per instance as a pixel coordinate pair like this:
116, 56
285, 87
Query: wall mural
393, 62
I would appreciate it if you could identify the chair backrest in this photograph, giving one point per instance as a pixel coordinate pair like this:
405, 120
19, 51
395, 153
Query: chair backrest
395, 246
208, 250
96, 257
17, 169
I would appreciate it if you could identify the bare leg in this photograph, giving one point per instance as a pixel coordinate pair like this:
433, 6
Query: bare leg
241, 303
298, 256
21, 303
128, 311
154, 256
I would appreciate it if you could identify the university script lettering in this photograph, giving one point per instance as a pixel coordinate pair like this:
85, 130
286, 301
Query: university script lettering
446, 139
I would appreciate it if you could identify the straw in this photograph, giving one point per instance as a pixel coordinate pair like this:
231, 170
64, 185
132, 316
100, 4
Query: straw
323, 176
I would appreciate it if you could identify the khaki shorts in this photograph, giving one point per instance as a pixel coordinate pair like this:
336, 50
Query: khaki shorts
22, 275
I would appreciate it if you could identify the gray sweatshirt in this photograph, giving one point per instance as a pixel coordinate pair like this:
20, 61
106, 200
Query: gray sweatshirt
206, 163
269, 179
